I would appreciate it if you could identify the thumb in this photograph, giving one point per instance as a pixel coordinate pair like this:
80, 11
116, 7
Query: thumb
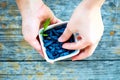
65, 36
55, 20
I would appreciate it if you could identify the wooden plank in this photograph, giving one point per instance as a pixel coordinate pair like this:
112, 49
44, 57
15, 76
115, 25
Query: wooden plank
22, 62
17, 38
60, 77
10, 14
14, 34
10, 30
23, 51
18, 30
64, 70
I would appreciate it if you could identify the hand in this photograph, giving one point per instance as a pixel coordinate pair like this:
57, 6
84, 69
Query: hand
34, 13
88, 23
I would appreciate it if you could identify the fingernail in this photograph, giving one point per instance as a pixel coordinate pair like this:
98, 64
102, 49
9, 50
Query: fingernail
73, 59
60, 39
64, 46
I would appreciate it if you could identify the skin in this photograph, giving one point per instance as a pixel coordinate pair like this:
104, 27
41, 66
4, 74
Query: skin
34, 13
85, 20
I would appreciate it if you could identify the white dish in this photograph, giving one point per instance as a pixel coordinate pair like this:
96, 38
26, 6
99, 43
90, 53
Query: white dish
44, 49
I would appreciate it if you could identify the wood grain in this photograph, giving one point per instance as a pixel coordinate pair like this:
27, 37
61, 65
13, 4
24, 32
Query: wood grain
81, 70
19, 61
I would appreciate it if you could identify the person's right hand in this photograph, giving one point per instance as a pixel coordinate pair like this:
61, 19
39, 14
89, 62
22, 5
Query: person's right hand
34, 14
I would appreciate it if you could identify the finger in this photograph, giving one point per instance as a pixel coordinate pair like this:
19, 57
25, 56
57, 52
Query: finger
65, 36
41, 51
88, 51
81, 44
58, 20
36, 45
55, 20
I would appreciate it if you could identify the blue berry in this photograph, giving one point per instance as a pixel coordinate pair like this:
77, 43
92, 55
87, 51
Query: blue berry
53, 47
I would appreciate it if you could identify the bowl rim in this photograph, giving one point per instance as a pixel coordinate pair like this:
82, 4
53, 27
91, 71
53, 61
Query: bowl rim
44, 49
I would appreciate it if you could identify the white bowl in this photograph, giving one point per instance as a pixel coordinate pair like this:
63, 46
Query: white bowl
44, 49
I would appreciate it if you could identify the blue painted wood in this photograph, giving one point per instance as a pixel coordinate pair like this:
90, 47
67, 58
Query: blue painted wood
104, 64
10, 30
81, 70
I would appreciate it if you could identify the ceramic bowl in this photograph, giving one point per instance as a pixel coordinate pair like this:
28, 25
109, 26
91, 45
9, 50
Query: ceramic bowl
51, 46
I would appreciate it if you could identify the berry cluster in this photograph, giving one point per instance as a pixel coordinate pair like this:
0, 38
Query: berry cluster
53, 47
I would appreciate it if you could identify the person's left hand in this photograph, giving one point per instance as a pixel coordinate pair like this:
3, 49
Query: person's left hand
88, 23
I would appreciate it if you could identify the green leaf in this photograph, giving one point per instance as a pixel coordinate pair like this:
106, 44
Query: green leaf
46, 24
42, 32
45, 34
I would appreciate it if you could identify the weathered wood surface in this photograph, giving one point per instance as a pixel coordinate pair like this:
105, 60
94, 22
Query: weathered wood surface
19, 61
82, 70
